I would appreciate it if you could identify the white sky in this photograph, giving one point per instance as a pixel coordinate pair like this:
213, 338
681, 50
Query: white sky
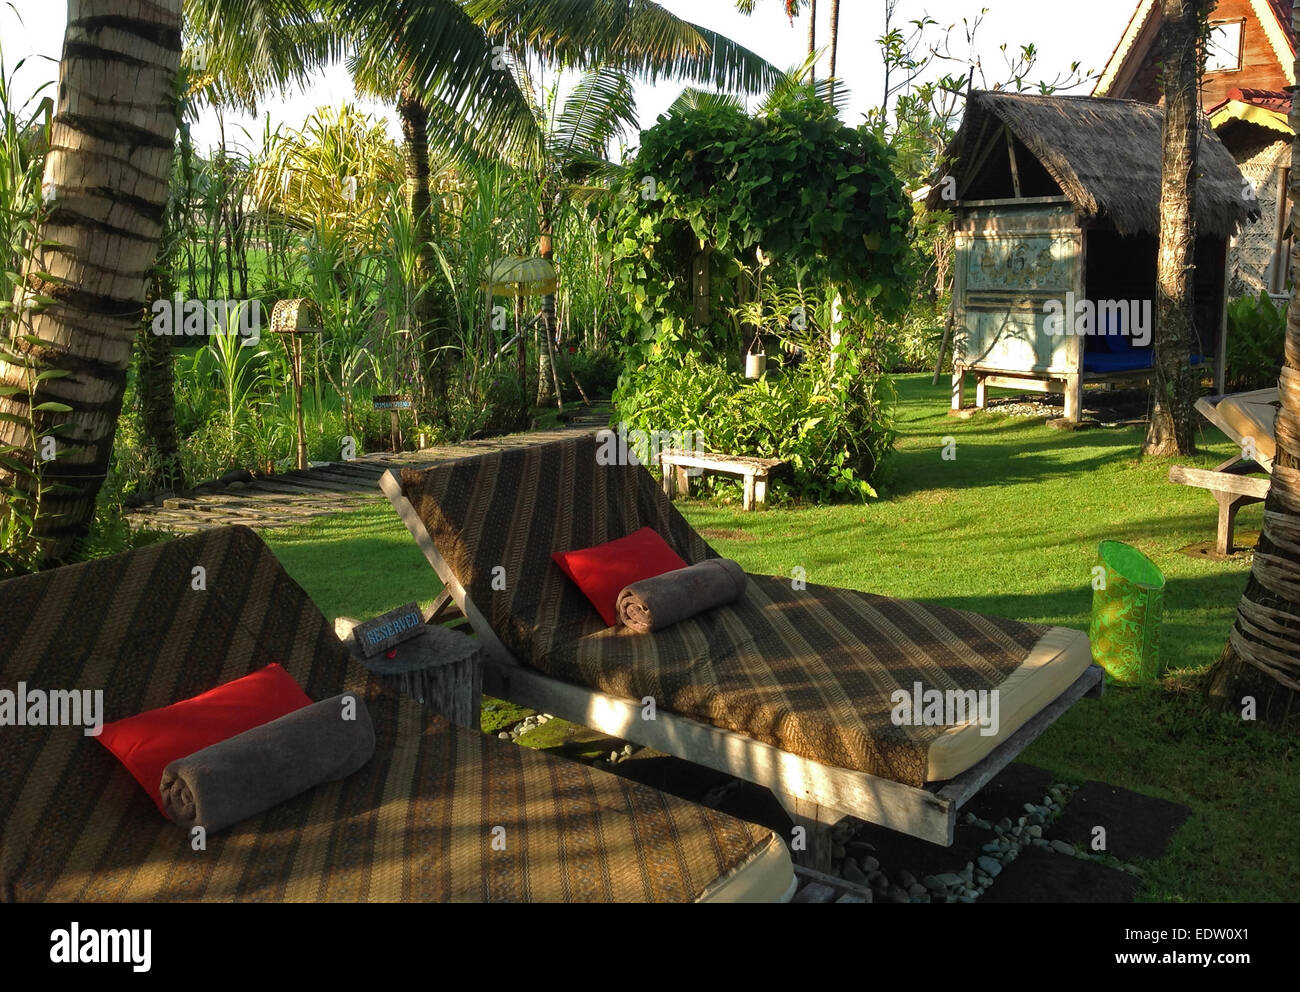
1063, 33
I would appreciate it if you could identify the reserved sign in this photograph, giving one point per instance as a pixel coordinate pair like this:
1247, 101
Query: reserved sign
389, 630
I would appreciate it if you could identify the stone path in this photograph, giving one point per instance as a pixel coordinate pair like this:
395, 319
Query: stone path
271, 502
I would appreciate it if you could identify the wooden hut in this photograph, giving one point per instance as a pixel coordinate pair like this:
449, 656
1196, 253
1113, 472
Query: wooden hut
1057, 209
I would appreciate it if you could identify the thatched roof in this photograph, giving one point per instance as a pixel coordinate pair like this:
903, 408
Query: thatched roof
1105, 156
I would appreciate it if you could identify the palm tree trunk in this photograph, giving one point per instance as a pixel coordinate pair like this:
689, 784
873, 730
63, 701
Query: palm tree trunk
548, 379
432, 328
812, 37
835, 42
1261, 662
1176, 385
157, 384
107, 176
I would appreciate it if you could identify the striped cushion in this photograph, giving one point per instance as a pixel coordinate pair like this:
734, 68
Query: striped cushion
810, 671
415, 824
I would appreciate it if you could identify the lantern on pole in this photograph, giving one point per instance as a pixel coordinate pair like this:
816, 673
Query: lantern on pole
294, 319
521, 277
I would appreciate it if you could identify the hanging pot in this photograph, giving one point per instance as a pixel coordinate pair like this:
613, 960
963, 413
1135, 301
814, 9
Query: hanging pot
755, 364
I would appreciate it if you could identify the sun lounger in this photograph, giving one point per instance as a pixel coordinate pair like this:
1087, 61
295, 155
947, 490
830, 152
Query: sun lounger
791, 689
440, 813
1248, 420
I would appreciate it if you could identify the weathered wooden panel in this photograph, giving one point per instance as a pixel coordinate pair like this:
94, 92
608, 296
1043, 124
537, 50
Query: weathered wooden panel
1012, 263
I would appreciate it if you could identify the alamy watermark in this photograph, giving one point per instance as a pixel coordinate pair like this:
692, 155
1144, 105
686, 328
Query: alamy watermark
179, 317
946, 708
638, 447
1085, 318
102, 946
26, 707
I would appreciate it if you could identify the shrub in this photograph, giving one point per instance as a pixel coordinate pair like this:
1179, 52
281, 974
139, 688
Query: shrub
1256, 337
597, 371
830, 416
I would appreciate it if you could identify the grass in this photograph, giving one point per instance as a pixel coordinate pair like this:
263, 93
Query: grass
1010, 526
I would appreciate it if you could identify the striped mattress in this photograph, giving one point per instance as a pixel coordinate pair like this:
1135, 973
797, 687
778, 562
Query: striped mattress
439, 814
811, 670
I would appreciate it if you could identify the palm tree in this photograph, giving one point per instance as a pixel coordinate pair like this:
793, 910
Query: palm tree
483, 108
1176, 383
561, 144
1259, 671
835, 41
105, 184
108, 175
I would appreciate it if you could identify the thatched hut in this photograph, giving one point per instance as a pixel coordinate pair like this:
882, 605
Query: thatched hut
1057, 207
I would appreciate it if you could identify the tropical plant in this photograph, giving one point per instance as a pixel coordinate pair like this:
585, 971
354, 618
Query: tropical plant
1256, 343
796, 187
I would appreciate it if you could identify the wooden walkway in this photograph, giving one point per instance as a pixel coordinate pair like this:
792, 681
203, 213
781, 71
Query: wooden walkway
276, 501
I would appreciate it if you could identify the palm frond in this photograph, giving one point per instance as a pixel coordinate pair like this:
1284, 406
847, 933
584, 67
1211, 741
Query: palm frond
601, 106
439, 53
239, 51
693, 98
639, 36
795, 82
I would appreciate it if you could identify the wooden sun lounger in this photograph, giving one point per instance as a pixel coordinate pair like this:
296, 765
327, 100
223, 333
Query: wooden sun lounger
1230, 482
815, 795
416, 823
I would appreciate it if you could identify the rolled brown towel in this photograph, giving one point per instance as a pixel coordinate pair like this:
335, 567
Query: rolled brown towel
653, 604
260, 768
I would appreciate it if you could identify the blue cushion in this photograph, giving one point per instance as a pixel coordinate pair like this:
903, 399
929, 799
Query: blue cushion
1131, 361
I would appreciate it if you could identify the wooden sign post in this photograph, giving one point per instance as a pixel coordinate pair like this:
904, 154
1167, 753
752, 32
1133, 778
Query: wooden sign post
393, 404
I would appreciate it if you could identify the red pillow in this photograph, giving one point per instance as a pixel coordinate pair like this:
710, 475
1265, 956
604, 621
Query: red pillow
604, 571
148, 742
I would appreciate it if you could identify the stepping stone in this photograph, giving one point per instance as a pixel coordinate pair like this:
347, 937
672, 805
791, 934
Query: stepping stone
1137, 826
1007, 794
1040, 876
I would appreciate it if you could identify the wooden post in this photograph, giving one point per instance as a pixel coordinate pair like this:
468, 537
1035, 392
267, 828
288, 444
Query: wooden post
293, 319
296, 342
958, 386
1011, 155
1229, 504
1073, 397
670, 481
816, 823
393, 404
749, 491
981, 391
1221, 352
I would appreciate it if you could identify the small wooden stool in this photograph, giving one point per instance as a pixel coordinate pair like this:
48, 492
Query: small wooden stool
441, 668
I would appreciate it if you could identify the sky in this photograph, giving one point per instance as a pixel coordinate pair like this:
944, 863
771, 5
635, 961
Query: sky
1063, 33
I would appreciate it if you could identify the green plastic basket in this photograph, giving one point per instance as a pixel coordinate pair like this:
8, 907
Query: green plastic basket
1126, 612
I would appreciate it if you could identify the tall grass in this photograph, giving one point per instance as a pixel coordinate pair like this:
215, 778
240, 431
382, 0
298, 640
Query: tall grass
24, 139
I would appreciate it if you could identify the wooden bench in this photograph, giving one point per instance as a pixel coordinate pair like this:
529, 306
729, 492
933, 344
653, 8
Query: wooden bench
1229, 489
679, 466
1230, 483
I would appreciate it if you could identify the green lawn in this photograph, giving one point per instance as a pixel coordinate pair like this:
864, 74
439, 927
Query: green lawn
1009, 527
